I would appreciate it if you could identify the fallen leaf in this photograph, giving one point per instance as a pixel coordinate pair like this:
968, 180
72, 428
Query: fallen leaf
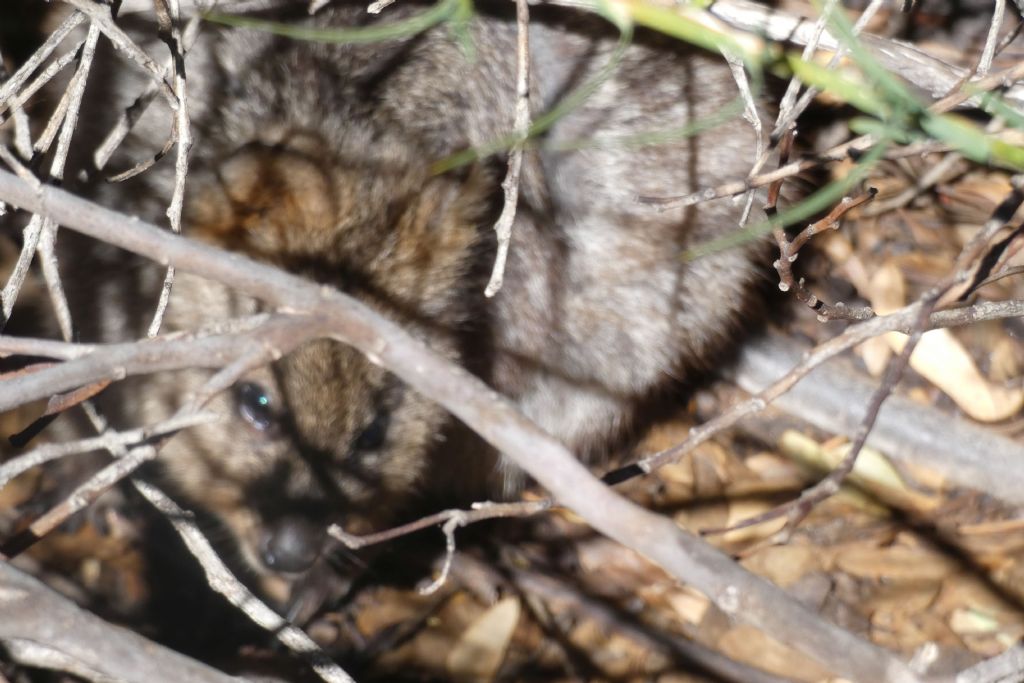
944, 362
896, 563
478, 654
939, 357
887, 292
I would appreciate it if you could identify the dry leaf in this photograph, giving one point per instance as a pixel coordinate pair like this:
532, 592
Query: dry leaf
895, 564
939, 357
872, 472
747, 644
744, 509
480, 651
690, 605
971, 621
887, 292
784, 565
944, 362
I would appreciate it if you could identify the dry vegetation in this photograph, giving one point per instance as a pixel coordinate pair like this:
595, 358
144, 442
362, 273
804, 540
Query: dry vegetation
919, 551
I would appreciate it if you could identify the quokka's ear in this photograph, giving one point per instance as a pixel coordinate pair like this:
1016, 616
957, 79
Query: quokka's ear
366, 215
267, 199
434, 235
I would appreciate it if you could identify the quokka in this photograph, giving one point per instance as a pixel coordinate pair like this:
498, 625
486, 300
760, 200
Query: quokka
319, 158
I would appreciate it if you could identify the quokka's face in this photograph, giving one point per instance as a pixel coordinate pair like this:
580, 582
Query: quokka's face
322, 436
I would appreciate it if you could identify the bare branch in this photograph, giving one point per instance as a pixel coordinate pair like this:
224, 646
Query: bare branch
281, 333
15, 82
126, 121
1004, 668
901, 320
450, 520
106, 441
831, 397
31, 610
169, 15
100, 14
991, 40
837, 153
789, 250
478, 513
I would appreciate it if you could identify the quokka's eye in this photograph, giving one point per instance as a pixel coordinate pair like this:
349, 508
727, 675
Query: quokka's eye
254, 405
373, 436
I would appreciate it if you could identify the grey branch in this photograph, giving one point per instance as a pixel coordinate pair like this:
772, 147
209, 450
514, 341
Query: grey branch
967, 454
36, 617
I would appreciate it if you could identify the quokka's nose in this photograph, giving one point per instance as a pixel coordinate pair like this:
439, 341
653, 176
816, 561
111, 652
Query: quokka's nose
292, 544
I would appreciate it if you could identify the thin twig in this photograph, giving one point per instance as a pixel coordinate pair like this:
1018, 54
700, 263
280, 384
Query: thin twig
788, 251
29, 242
67, 115
220, 579
168, 14
278, 335
55, 67
788, 118
14, 83
477, 513
989, 51
79, 499
787, 112
751, 116
510, 186
838, 153
22, 132
100, 15
133, 112
932, 175
450, 520
106, 441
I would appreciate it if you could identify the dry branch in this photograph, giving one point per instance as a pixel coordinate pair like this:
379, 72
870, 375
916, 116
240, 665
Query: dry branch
1004, 668
108, 441
915, 65
117, 361
832, 397
35, 614
736, 591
